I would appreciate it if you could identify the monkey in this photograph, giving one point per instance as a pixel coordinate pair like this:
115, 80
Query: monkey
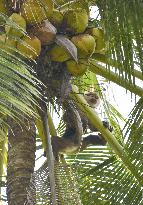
72, 140
76, 124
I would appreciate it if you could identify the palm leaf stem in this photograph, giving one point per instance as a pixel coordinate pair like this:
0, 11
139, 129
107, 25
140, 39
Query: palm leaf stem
50, 157
52, 128
111, 76
113, 63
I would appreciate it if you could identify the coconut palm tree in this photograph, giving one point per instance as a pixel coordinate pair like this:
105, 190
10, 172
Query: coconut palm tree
109, 174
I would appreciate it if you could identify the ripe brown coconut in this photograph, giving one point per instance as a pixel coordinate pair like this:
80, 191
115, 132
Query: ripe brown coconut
20, 21
76, 69
45, 32
30, 47
85, 44
75, 20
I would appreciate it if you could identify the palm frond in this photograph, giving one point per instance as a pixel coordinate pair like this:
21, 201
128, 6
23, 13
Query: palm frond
92, 156
118, 67
67, 190
134, 135
19, 88
109, 183
114, 77
123, 31
104, 179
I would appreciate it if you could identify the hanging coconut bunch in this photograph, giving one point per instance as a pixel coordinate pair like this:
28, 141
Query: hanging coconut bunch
58, 38
41, 19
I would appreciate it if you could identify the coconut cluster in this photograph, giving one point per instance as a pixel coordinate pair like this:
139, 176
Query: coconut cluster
40, 23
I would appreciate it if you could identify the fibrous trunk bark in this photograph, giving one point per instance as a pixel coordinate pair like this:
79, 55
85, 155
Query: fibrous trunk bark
21, 161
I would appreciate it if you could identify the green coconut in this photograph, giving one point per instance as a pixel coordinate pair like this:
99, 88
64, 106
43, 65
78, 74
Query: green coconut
20, 21
75, 20
59, 54
76, 69
85, 44
98, 35
48, 6
56, 18
7, 44
30, 47
33, 12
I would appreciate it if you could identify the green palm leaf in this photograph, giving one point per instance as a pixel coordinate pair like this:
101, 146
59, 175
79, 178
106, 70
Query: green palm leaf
123, 31
19, 89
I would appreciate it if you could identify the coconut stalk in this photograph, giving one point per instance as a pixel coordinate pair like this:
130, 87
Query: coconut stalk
111, 76
96, 122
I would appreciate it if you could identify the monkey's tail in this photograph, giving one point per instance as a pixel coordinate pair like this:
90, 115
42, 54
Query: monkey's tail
92, 140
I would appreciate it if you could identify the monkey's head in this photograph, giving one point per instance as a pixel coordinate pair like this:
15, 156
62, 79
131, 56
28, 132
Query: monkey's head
92, 99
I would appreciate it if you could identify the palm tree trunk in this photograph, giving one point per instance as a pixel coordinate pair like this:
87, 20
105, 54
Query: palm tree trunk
21, 161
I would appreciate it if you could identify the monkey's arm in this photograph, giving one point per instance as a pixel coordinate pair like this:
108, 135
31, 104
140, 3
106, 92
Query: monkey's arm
105, 123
